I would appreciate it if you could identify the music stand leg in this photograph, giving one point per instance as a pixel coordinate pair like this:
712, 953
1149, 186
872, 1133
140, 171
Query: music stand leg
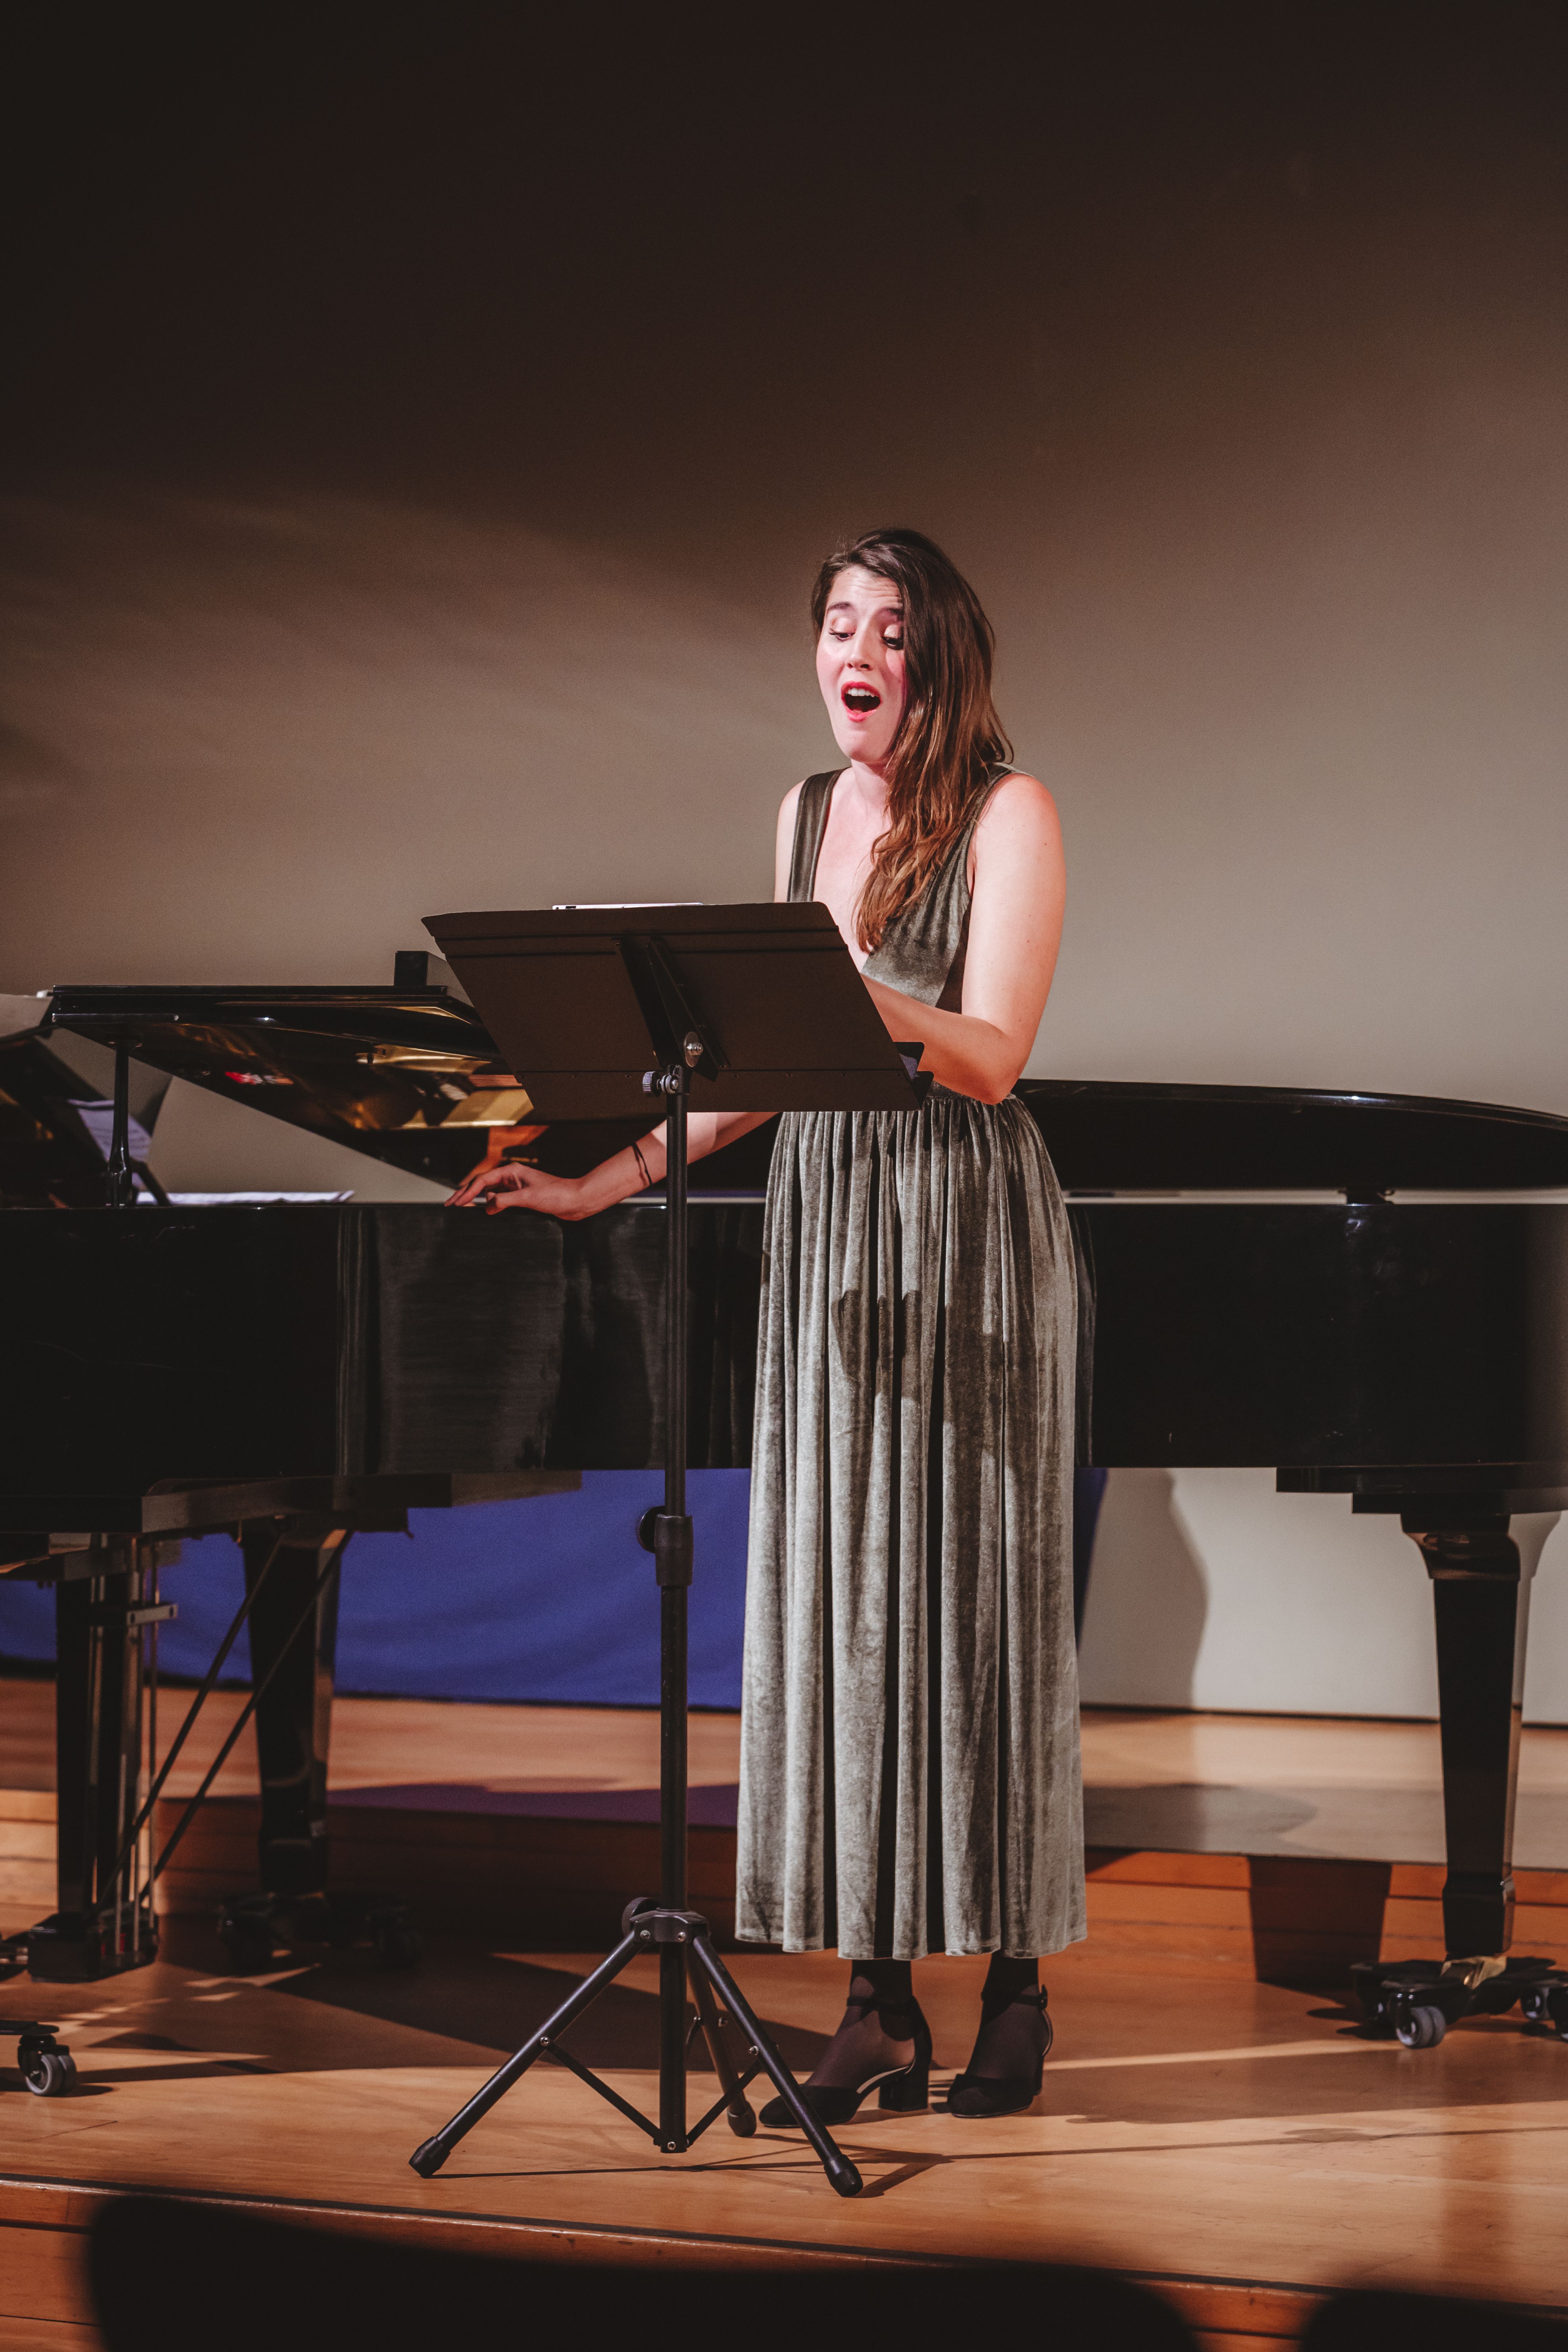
682, 1936
737, 2112
432, 2154
834, 2163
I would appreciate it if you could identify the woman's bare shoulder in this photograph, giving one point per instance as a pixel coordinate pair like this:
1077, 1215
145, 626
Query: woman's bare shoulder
1021, 806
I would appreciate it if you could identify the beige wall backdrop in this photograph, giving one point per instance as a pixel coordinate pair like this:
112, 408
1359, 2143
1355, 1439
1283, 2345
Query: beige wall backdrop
1282, 601
399, 522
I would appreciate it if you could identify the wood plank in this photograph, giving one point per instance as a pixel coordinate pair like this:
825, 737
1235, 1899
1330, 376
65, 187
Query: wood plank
1113, 1865
1233, 2316
49, 2335
43, 2273
1171, 1905
27, 1805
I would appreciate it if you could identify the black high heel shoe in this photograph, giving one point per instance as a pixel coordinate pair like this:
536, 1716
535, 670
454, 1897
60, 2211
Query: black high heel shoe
900, 2090
1003, 2094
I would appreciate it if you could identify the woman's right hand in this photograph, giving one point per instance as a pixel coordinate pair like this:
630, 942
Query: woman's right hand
514, 1185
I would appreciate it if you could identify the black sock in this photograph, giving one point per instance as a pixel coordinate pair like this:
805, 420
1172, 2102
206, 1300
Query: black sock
1012, 2031
890, 1984
878, 2023
1007, 1978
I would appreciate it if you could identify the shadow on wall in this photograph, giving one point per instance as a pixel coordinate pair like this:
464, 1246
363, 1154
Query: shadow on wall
1134, 1653
1213, 1591
337, 715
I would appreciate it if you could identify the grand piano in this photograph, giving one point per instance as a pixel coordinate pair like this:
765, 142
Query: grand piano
1366, 1293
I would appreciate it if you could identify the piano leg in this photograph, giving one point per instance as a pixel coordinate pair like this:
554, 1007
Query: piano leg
1481, 1604
104, 1921
294, 1716
293, 1651
1481, 1595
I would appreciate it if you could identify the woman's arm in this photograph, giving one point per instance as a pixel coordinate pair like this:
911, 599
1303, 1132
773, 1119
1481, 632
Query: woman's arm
514, 1185
1014, 932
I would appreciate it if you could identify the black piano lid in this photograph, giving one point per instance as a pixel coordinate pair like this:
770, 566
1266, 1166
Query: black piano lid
379, 1069
394, 1073
1127, 1136
406, 1074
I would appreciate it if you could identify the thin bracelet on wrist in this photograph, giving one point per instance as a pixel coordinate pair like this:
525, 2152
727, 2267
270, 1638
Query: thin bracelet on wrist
642, 1163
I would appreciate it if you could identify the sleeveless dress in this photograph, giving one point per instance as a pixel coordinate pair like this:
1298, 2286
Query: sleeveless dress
909, 1743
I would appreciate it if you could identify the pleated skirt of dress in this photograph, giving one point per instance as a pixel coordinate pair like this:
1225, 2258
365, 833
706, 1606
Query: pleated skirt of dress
910, 1744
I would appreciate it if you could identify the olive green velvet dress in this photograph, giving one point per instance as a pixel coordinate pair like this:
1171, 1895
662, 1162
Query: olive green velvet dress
909, 1747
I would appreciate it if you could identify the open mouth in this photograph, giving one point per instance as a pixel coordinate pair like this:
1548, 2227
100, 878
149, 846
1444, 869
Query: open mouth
862, 700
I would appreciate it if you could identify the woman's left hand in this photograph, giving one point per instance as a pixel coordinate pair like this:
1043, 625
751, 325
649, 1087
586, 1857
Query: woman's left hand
515, 1185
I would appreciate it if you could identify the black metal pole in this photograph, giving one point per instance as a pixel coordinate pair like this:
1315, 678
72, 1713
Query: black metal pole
672, 1627
120, 1181
673, 1557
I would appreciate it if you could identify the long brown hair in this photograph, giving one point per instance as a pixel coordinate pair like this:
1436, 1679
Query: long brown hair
950, 735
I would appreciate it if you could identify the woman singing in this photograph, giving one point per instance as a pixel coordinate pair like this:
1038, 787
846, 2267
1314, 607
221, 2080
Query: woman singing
908, 1746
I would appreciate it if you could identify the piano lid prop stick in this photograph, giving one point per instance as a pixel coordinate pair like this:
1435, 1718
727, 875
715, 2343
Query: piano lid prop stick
120, 1181
200, 1700
243, 1717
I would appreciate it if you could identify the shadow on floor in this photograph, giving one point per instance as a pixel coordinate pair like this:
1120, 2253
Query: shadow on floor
1404, 2093
1197, 1817
496, 2003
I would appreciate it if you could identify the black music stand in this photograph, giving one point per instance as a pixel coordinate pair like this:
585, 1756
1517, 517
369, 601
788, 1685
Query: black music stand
763, 1008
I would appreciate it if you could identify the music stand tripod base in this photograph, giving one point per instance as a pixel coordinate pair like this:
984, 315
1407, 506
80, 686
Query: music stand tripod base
686, 1938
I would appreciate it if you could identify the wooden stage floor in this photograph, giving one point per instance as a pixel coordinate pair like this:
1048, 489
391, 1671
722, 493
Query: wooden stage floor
1285, 1785
1235, 2141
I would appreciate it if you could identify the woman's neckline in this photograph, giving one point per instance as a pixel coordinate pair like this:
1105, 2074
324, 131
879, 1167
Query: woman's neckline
994, 777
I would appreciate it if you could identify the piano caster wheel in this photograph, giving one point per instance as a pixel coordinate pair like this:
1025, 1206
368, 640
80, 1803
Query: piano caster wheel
1421, 2029
1545, 2010
397, 1947
1546, 2007
47, 2070
741, 2120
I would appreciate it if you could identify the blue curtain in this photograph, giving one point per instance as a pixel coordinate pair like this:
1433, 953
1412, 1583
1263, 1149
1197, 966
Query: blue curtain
546, 1600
